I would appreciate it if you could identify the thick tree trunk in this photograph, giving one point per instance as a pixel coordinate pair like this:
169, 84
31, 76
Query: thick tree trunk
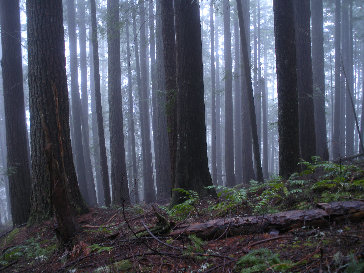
249, 91
318, 69
192, 171
229, 134
119, 180
306, 116
76, 103
47, 73
337, 116
149, 192
134, 175
84, 104
100, 120
164, 182
288, 127
16, 132
169, 51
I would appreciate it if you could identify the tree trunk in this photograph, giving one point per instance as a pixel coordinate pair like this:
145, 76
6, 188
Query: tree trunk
192, 171
84, 104
318, 69
47, 73
249, 89
119, 180
16, 133
306, 116
337, 116
288, 127
149, 193
169, 51
76, 103
163, 163
100, 121
134, 176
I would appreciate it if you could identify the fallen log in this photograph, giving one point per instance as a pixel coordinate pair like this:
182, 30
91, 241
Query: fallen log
324, 215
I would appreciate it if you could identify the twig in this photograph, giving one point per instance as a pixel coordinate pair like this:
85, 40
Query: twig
155, 238
7, 266
267, 240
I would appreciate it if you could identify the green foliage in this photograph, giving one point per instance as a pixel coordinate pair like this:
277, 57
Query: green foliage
183, 210
195, 247
354, 266
260, 260
12, 254
10, 237
99, 249
228, 198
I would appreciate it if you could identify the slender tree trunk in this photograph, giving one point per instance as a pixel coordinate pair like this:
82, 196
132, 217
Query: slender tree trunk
288, 126
304, 80
76, 103
119, 180
192, 171
213, 95
169, 52
318, 69
229, 134
16, 132
84, 103
249, 89
237, 105
362, 91
48, 86
337, 116
100, 120
134, 177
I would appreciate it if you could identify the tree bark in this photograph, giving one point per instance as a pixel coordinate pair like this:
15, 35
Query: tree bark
288, 127
16, 133
306, 116
192, 171
318, 69
47, 72
119, 180
100, 121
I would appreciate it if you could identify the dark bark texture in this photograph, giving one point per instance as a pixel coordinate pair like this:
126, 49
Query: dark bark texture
288, 127
16, 133
119, 180
192, 171
47, 71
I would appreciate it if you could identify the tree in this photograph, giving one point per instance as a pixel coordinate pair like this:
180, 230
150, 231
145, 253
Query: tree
192, 171
76, 103
306, 117
318, 69
84, 104
336, 140
16, 132
169, 53
119, 180
100, 122
229, 134
249, 91
49, 111
288, 127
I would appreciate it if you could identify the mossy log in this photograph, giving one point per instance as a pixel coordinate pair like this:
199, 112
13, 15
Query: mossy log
322, 216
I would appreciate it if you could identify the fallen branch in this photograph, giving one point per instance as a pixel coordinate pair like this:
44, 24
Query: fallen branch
267, 240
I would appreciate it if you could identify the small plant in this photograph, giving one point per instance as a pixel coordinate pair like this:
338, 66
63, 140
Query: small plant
181, 211
228, 198
195, 247
99, 249
261, 260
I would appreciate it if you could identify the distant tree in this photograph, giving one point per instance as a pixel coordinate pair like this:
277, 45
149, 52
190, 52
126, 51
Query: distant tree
169, 51
98, 106
192, 171
318, 69
229, 133
336, 140
16, 132
249, 92
304, 80
288, 127
49, 111
119, 180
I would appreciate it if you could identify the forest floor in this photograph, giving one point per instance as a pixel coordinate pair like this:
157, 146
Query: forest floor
138, 238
